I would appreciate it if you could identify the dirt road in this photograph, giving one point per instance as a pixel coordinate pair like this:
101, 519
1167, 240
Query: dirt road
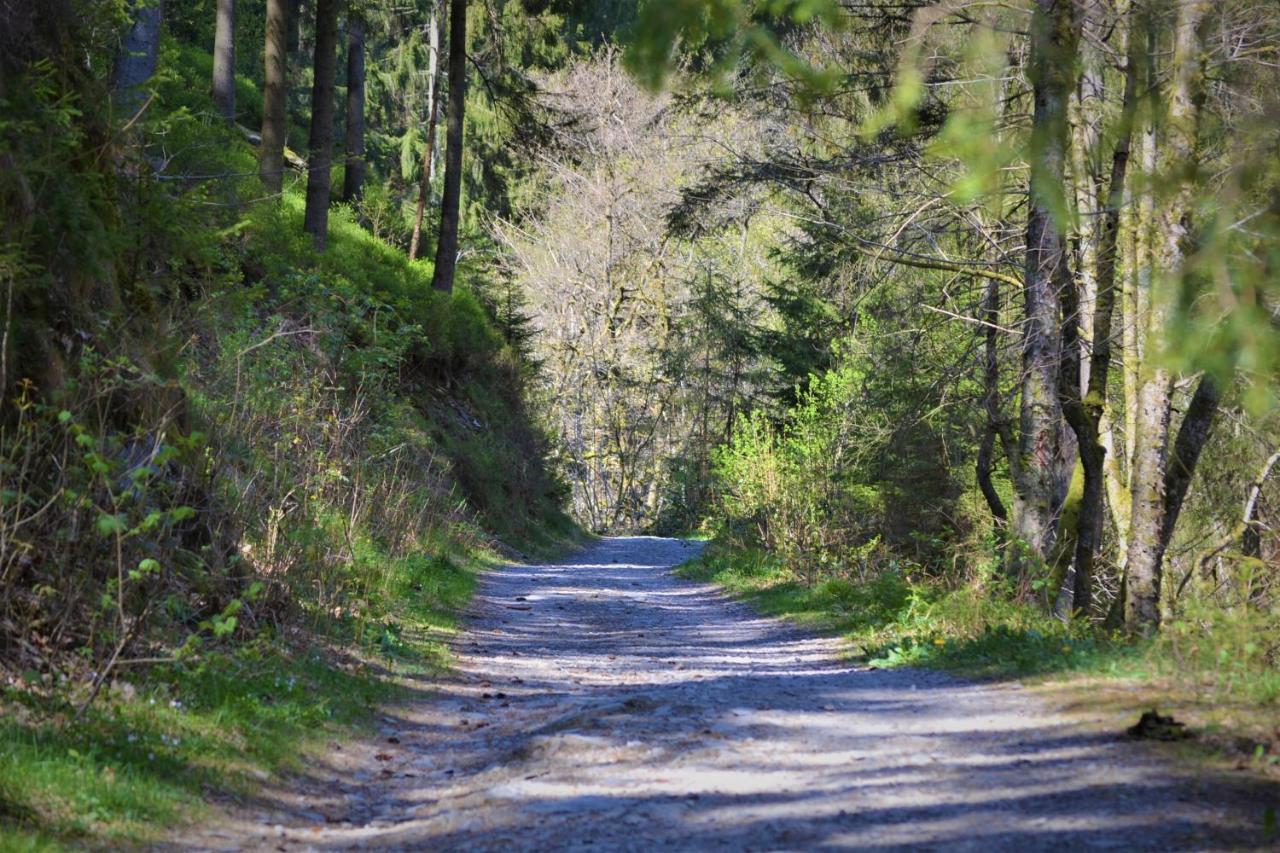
603, 703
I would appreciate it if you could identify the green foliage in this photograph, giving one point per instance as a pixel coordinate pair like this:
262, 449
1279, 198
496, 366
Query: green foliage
835, 488
1232, 647
182, 86
214, 439
899, 617
143, 757
724, 33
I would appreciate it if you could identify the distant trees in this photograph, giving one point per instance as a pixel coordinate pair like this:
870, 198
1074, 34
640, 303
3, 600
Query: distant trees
642, 338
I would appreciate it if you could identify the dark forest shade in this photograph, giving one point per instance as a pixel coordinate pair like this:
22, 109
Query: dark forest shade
447, 251
323, 106
293, 11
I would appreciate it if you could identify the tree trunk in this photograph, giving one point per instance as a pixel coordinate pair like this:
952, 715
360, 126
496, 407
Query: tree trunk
224, 61
139, 52
1087, 197
1040, 483
323, 106
428, 154
275, 92
991, 402
1149, 527
353, 174
1085, 413
1260, 541
1193, 434
1146, 517
447, 247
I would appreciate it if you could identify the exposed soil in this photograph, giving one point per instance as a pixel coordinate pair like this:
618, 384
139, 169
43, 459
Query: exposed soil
603, 703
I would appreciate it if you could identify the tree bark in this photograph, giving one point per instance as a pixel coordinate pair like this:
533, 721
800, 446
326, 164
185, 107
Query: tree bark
991, 402
275, 92
224, 61
1040, 483
1084, 413
140, 50
353, 174
447, 247
428, 153
1146, 515
323, 106
1088, 195
1193, 434
1149, 526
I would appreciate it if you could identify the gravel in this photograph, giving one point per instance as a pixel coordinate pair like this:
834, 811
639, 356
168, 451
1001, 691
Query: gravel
603, 703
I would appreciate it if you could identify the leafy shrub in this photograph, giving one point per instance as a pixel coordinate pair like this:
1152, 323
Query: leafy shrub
796, 488
108, 530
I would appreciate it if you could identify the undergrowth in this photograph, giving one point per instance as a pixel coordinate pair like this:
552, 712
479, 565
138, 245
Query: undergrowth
892, 619
241, 483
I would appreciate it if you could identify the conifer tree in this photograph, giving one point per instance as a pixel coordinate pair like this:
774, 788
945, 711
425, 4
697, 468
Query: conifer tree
447, 250
323, 106
224, 61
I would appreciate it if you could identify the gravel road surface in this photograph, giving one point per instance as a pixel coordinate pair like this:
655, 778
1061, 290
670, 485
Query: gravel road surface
603, 703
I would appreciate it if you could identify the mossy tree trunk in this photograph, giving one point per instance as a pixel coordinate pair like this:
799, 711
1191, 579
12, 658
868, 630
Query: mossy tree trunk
1152, 515
1042, 458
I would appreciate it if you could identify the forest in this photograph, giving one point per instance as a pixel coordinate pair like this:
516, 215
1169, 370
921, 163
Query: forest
945, 328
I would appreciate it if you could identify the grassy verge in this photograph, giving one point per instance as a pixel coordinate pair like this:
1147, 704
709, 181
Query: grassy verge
1104, 680
148, 753
281, 468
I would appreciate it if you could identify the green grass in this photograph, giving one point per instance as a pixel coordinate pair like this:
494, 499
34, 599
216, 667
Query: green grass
1207, 668
431, 591
134, 765
891, 621
146, 754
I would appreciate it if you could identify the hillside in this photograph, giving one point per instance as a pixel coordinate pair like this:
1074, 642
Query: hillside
241, 477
